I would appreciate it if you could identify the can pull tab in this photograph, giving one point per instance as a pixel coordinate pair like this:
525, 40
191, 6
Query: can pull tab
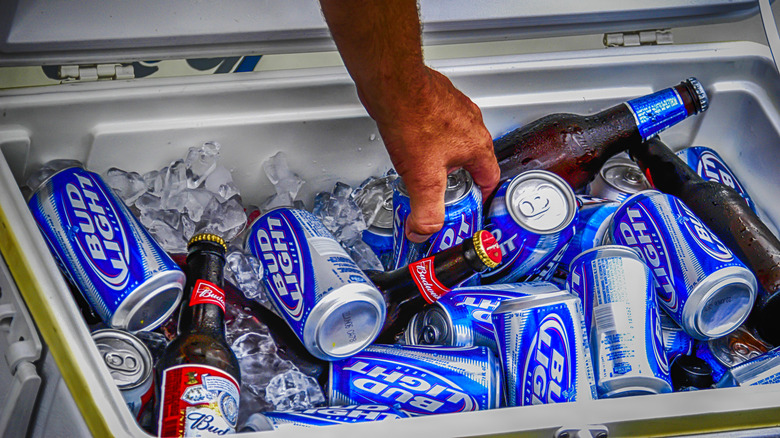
588, 431
121, 361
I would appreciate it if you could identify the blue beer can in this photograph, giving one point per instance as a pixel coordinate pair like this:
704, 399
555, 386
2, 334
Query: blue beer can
319, 290
543, 350
676, 341
462, 317
418, 380
102, 248
618, 179
618, 293
533, 217
326, 416
728, 351
761, 370
379, 234
462, 218
702, 285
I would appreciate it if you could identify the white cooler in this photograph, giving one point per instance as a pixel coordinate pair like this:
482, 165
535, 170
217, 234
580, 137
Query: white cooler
62, 388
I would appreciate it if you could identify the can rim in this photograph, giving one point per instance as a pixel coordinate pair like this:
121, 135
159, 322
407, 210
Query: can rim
469, 187
613, 250
552, 178
712, 285
101, 334
136, 301
619, 162
43, 183
412, 334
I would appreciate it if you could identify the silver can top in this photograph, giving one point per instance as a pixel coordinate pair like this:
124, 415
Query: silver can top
431, 326
381, 210
624, 175
128, 360
541, 201
459, 184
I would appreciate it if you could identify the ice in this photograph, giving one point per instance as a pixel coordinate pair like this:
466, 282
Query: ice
129, 186
154, 181
170, 239
220, 182
174, 182
201, 162
247, 274
155, 342
47, 170
224, 219
147, 201
294, 390
365, 257
193, 202
372, 198
340, 214
284, 180
253, 343
276, 201
172, 218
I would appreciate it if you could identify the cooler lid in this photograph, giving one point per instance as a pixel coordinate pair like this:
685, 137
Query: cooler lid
46, 32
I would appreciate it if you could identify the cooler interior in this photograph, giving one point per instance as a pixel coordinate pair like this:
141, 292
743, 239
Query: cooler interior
315, 117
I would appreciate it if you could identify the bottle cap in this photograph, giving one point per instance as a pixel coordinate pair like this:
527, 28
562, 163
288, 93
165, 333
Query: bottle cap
691, 371
487, 248
698, 88
208, 236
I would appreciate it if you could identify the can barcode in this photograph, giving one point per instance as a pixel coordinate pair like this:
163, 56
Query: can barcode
605, 321
326, 247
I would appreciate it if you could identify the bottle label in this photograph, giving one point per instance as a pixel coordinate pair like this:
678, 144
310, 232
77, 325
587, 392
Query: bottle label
206, 292
197, 401
657, 111
425, 278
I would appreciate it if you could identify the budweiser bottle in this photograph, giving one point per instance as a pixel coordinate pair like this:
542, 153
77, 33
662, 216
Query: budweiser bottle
727, 214
407, 290
198, 372
575, 147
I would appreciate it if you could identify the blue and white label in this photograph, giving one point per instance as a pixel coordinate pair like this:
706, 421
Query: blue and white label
547, 373
710, 166
657, 111
334, 415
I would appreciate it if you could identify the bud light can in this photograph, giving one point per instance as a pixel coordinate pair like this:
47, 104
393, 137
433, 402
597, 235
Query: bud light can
710, 166
761, 370
532, 216
462, 317
618, 294
731, 350
102, 248
676, 341
618, 179
418, 380
703, 286
322, 294
543, 349
462, 218
326, 416
375, 199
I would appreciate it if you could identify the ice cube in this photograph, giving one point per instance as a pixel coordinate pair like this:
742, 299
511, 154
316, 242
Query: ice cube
175, 181
294, 390
172, 218
364, 256
280, 175
169, 238
247, 273
154, 181
147, 201
253, 343
129, 186
340, 214
200, 162
48, 169
275, 201
220, 183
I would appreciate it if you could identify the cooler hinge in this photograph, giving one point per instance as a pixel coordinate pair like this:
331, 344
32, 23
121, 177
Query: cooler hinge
585, 431
640, 38
85, 73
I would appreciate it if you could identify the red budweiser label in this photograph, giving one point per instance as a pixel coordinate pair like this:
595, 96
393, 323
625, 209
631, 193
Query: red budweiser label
207, 292
425, 279
197, 401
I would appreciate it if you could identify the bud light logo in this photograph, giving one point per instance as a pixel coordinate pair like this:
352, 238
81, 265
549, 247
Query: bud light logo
548, 366
658, 340
702, 235
711, 168
453, 234
279, 246
481, 306
97, 232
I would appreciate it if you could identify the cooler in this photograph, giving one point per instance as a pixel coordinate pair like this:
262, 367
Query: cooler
315, 116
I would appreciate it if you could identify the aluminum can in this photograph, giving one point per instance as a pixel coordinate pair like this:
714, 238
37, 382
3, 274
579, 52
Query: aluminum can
130, 364
532, 216
710, 166
418, 380
706, 289
102, 248
761, 370
379, 234
543, 350
326, 416
462, 218
462, 317
618, 179
731, 350
325, 298
676, 341
618, 293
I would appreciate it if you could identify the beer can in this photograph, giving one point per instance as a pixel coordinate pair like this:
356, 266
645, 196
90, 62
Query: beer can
543, 350
618, 179
326, 416
618, 293
130, 365
761, 370
731, 350
379, 234
706, 289
676, 341
102, 248
532, 216
462, 218
319, 290
462, 316
418, 380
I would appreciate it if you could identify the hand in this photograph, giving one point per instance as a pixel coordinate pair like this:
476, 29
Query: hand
431, 129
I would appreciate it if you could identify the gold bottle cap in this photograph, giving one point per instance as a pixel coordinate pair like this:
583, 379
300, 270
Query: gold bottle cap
487, 248
208, 236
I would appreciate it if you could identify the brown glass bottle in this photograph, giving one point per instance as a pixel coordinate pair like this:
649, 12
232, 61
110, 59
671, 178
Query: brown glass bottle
727, 214
198, 373
407, 290
575, 146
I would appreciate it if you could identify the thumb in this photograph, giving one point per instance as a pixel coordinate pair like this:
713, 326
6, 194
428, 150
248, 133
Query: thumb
426, 198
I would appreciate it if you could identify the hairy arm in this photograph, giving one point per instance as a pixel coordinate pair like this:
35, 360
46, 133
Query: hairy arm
428, 126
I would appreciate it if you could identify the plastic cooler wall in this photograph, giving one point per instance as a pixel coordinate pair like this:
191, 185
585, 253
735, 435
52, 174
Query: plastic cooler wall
315, 116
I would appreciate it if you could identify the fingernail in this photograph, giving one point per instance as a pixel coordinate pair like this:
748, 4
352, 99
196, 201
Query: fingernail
417, 238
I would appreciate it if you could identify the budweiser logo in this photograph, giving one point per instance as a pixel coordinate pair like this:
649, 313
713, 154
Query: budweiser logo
425, 278
206, 292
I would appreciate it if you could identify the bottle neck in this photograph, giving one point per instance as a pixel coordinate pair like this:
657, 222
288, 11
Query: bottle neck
199, 311
665, 170
657, 111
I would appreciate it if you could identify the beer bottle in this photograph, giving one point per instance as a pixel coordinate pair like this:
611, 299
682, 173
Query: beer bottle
727, 214
407, 290
198, 372
575, 146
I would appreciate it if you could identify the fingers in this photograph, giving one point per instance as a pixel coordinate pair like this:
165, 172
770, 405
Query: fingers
426, 198
484, 169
